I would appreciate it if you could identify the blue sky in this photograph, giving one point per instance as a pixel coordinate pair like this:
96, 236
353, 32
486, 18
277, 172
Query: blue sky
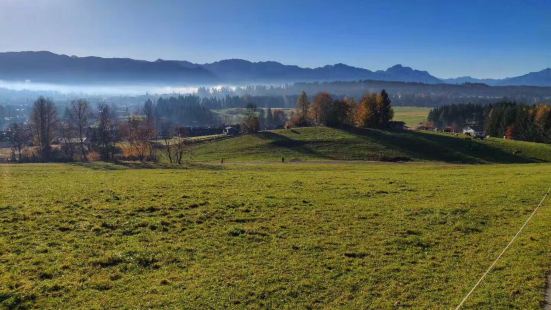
447, 38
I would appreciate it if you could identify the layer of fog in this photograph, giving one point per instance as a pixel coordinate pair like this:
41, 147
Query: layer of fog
107, 90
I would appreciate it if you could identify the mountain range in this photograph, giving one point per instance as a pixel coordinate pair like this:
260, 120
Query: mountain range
47, 67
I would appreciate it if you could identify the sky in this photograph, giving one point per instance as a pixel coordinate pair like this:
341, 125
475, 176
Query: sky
484, 38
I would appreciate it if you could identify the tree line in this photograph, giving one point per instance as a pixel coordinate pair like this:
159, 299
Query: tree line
214, 101
401, 93
503, 119
78, 132
83, 132
374, 110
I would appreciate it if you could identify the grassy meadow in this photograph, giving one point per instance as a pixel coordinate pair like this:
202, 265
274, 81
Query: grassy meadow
412, 116
255, 235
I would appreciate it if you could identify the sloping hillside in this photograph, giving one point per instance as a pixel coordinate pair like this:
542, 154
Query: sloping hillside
323, 143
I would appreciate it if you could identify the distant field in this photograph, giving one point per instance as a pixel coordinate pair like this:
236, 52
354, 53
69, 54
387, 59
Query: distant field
412, 116
300, 235
193, 139
322, 143
235, 115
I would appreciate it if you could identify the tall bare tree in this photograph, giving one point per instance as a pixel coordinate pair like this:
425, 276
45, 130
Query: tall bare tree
43, 123
168, 147
180, 147
176, 146
139, 136
78, 119
67, 135
251, 122
150, 124
301, 111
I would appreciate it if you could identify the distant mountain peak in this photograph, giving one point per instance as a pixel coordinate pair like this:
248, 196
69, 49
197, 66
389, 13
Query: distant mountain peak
401, 68
233, 60
402, 73
538, 78
398, 66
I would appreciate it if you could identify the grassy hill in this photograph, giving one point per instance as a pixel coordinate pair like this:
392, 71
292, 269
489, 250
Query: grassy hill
322, 143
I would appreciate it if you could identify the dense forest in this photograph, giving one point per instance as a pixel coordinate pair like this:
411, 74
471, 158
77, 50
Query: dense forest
401, 93
183, 110
241, 101
503, 119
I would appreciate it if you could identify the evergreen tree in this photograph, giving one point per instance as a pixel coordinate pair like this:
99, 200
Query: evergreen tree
502, 119
384, 110
106, 132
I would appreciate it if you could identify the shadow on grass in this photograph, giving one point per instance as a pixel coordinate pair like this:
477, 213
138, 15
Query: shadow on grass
282, 141
427, 146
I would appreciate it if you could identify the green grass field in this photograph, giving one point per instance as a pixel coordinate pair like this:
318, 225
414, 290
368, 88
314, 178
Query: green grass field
324, 143
412, 116
294, 235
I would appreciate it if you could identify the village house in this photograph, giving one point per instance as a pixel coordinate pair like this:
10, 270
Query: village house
231, 131
474, 131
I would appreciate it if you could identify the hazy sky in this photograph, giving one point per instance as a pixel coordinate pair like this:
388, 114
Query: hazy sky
448, 38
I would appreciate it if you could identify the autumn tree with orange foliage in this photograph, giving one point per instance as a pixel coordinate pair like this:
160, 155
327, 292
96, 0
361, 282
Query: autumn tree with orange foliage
320, 109
139, 135
366, 114
542, 119
373, 111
